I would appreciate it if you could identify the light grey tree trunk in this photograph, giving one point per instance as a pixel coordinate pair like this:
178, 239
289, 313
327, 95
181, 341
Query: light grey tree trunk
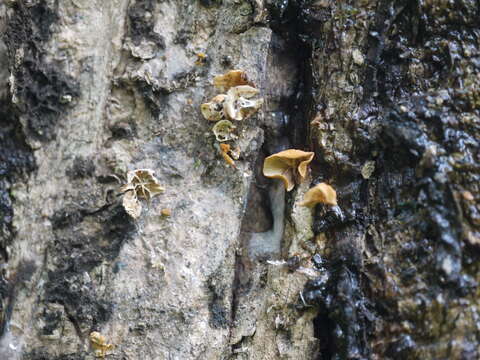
386, 93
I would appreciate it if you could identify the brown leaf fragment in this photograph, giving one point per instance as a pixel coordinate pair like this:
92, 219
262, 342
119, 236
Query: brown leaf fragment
320, 194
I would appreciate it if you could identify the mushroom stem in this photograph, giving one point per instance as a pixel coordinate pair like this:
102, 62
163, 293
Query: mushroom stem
268, 243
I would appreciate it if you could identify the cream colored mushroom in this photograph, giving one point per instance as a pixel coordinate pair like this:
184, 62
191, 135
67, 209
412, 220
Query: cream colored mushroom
289, 165
237, 105
213, 110
320, 194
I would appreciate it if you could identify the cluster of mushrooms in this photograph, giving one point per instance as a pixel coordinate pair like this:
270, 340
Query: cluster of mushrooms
291, 166
235, 103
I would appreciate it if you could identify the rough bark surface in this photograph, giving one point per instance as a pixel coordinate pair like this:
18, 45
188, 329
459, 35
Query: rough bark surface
387, 94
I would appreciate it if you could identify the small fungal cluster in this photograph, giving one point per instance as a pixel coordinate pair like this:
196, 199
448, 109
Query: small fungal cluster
141, 184
99, 344
291, 166
236, 103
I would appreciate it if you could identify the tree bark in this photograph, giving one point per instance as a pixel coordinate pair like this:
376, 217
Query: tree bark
387, 95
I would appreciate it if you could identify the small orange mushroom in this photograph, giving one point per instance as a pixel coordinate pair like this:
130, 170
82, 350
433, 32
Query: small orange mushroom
230, 79
289, 165
224, 150
320, 194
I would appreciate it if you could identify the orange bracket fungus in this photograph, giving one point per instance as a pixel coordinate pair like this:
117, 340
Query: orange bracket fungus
289, 165
320, 194
141, 184
231, 79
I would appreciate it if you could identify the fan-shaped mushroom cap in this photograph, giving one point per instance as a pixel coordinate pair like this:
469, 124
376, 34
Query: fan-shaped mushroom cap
289, 165
230, 79
320, 194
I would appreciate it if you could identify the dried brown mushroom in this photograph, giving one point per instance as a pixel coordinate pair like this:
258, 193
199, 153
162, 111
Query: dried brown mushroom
320, 194
223, 131
131, 204
213, 110
289, 165
238, 106
230, 79
141, 183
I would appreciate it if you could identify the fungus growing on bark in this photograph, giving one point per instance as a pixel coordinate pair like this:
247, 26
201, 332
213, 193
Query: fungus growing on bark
201, 59
142, 184
223, 131
230, 79
213, 110
226, 151
238, 106
289, 165
320, 194
166, 212
99, 344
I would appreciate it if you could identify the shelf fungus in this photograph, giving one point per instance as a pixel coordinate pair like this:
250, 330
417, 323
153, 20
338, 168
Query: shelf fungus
238, 104
142, 184
320, 194
213, 110
99, 344
289, 165
230, 79
223, 131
